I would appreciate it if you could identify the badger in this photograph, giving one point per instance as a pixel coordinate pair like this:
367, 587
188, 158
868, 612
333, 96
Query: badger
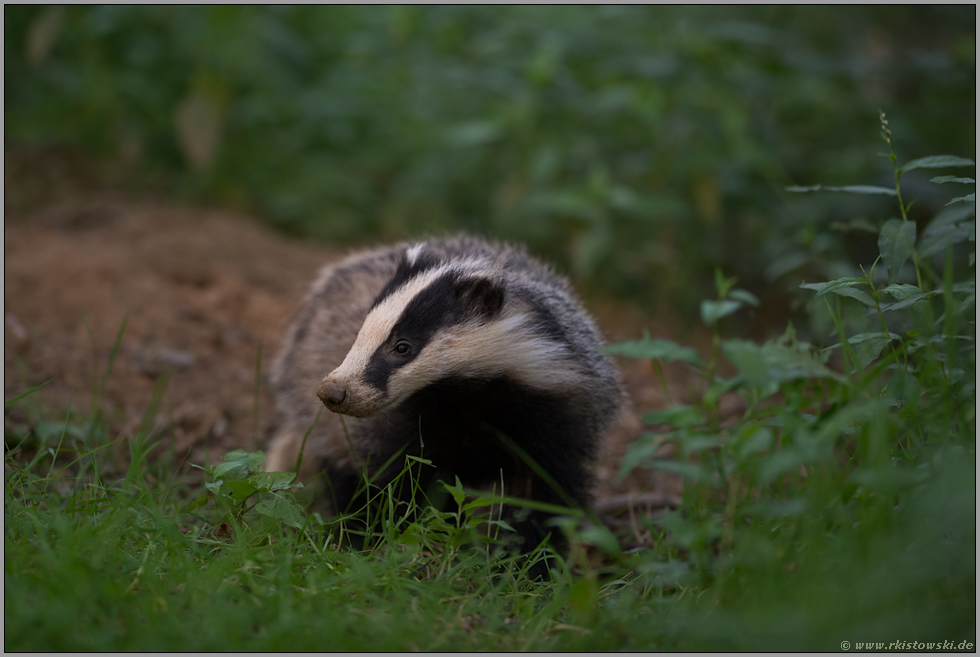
467, 353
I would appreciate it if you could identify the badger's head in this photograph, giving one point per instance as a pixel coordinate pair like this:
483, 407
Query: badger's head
445, 321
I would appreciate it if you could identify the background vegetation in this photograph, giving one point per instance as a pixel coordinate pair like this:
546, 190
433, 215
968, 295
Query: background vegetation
640, 147
649, 148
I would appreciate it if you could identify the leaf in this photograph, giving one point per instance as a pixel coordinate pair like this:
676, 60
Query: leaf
642, 447
863, 297
903, 388
654, 348
761, 365
242, 490
783, 461
910, 301
969, 198
949, 216
201, 501
678, 416
601, 537
945, 179
691, 471
937, 162
456, 491
853, 189
745, 297
24, 394
712, 311
214, 486
901, 292
277, 506
896, 242
272, 481
238, 464
830, 286
938, 240
867, 346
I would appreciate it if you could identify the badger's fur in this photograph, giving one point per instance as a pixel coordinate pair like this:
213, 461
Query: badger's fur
449, 344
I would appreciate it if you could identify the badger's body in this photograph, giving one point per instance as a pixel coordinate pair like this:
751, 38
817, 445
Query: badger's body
453, 349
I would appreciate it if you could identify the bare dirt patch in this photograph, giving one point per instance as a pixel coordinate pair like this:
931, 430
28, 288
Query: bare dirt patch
200, 290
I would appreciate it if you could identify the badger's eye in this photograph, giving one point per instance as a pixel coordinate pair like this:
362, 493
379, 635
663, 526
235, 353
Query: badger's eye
403, 348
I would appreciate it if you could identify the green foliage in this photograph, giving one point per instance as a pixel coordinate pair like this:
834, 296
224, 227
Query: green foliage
234, 482
641, 147
837, 505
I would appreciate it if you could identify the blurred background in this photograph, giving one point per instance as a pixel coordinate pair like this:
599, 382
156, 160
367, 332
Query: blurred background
638, 147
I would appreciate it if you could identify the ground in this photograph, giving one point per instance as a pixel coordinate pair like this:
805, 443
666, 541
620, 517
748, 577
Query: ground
205, 295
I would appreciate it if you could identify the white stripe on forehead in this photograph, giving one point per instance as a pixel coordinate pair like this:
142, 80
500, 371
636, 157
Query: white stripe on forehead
413, 253
382, 319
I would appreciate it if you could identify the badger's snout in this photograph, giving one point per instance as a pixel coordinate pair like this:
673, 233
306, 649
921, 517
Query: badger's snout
333, 395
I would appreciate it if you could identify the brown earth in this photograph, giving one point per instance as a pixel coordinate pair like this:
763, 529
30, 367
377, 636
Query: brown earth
203, 293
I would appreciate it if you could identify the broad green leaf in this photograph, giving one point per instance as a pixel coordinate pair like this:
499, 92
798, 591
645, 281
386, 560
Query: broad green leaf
949, 216
199, 502
238, 464
745, 297
456, 491
755, 440
272, 481
691, 471
712, 311
214, 486
823, 288
895, 242
654, 348
901, 291
969, 198
643, 447
869, 350
867, 346
938, 240
945, 179
761, 365
937, 162
782, 462
853, 189
905, 303
694, 443
277, 506
678, 416
903, 387
243, 489
601, 537
853, 293
936, 339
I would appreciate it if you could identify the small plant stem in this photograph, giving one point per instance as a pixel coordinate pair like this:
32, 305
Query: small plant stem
887, 135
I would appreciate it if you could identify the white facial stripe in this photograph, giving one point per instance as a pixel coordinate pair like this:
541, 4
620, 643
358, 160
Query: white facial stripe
506, 346
413, 253
379, 323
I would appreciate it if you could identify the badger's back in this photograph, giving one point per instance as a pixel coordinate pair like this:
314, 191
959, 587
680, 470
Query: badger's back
498, 353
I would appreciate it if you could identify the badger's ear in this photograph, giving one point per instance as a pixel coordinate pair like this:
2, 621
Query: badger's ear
479, 297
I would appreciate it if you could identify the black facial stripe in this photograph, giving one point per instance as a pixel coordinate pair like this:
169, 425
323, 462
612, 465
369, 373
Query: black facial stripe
426, 313
405, 273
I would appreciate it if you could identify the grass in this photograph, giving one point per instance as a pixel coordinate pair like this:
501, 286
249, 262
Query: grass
839, 507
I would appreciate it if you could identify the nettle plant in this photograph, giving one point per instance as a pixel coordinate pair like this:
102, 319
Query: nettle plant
238, 486
828, 436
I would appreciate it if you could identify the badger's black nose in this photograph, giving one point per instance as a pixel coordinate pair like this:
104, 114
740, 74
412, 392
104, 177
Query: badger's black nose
331, 394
